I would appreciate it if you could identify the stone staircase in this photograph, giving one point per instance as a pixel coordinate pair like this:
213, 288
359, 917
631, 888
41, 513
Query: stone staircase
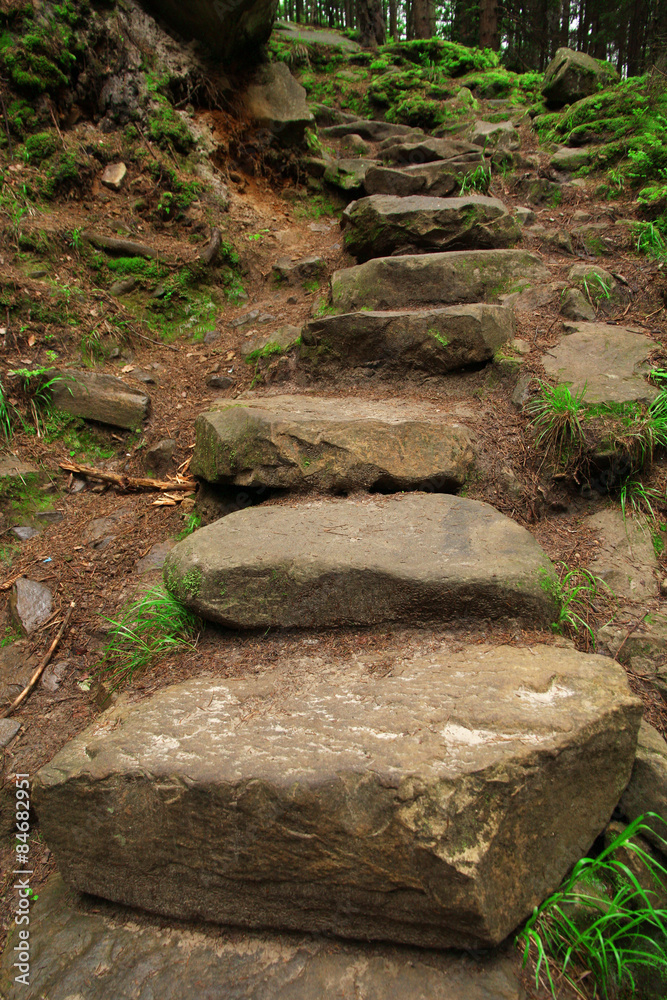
431, 805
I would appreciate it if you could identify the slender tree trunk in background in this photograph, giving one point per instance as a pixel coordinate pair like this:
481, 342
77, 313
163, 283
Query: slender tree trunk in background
299, 12
634, 40
488, 25
564, 39
423, 18
371, 23
393, 19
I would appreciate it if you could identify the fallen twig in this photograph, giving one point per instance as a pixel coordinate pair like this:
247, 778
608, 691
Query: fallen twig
178, 485
34, 680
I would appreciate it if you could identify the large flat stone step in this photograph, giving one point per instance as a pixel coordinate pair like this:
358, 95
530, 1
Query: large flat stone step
384, 224
427, 340
343, 562
437, 180
434, 805
372, 131
435, 279
333, 444
429, 149
72, 937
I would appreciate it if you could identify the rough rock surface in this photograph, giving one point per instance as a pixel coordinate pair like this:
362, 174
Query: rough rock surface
570, 159
408, 558
14, 468
434, 279
277, 340
16, 668
428, 149
647, 789
276, 102
428, 340
576, 306
293, 272
312, 443
625, 558
231, 30
572, 75
305, 35
608, 361
434, 805
495, 135
370, 130
31, 603
438, 180
101, 397
384, 224
73, 937
349, 173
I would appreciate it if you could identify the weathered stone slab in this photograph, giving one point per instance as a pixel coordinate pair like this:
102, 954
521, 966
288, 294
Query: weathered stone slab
625, 558
608, 361
276, 341
384, 224
647, 789
415, 557
12, 468
438, 179
572, 75
101, 397
566, 158
494, 135
276, 102
339, 445
293, 272
430, 340
370, 130
434, 805
31, 603
429, 149
72, 938
435, 279
348, 174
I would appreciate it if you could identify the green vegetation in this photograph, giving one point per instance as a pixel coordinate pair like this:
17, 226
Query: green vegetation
136, 267
39, 147
651, 238
478, 180
556, 416
167, 128
155, 625
192, 522
602, 922
39, 56
575, 593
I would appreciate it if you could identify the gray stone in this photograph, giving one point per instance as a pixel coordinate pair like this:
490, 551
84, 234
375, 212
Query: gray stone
246, 318
276, 342
294, 272
572, 75
355, 145
608, 362
8, 730
434, 279
595, 237
494, 135
12, 468
82, 949
17, 666
409, 558
114, 175
458, 152
54, 675
220, 382
159, 456
339, 445
570, 159
437, 179
24, 532
348, 174
575, 305
326, 116
430, 340
647, 789
525, 216
154, 559
104, 398
123, 287
384, 224
434, 805
306, 35
231, 31
625, 558
276, 102
370, 130
32, 603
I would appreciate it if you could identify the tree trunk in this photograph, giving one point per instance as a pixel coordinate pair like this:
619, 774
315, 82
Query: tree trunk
488, 25
371, 23
393, 19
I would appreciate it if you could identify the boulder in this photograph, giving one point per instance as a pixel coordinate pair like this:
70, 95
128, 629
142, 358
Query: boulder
428, 340
339, 445
624, 558
31, 604
609, 362
575, 305
434, 805
384, 224
294, 272
570, 159
114, 175
434, 279
274, 101
494, 135
233, 31
647, 789
428, 150
104, 398
158, 457
572, 75
8, 730
437, 179
354, 145
348, 174
277, 341
370, 130
72, 939
409, 558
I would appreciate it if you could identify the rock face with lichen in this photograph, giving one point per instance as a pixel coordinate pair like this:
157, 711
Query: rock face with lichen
572, 75
232, 29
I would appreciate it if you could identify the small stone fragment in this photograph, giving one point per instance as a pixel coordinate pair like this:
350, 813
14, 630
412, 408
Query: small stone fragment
32, 603
114, 175
575, 305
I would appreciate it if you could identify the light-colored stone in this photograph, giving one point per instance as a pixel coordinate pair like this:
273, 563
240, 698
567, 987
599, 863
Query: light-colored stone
437, 179
72, 939
494, 135
348, 174
458, 152
428, 340
339, 445
273, 342
625, 558
406, 558
294, 272
435, 804
525, 216
384, 224
435, 279
114, 175
572, 75
8, 730
576, 306
608, 362
570, 159
276, 102
104, 398
32, 603
647, 789
304, 34
370, 130
13, 468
